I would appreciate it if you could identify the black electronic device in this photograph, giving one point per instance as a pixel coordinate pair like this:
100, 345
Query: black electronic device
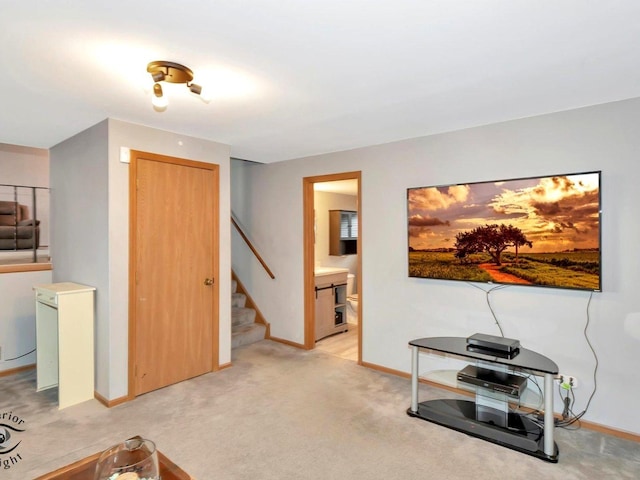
493, 353
503, 382
491, 342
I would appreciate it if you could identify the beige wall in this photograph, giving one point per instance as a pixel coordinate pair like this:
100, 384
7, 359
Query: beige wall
24, 165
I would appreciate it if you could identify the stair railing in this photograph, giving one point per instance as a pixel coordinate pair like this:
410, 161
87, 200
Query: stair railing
252, 248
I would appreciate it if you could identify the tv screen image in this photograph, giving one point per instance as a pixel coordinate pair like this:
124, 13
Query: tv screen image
540, 231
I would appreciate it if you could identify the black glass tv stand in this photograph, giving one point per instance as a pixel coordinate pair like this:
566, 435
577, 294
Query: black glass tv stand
511, 430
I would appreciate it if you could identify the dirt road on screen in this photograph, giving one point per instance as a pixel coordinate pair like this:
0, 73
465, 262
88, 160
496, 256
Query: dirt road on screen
501, 277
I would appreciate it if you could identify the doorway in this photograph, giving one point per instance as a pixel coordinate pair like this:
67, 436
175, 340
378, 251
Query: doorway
310, 221
173, 305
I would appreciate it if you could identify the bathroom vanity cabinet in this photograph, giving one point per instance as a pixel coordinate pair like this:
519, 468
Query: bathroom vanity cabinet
331, 304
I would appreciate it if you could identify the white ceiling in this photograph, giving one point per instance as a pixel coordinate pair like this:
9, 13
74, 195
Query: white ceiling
345, 187
292, 78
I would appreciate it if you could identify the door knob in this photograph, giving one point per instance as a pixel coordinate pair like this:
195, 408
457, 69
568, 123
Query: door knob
208, 281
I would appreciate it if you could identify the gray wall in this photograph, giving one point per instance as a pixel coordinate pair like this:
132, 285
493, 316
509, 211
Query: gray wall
396, 308
80, 227
91, 230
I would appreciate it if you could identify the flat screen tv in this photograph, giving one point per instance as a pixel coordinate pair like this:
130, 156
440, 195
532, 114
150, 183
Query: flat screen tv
540, 231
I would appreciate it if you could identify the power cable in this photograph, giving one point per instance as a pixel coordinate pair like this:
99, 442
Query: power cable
487, 292
19, 356
576, 418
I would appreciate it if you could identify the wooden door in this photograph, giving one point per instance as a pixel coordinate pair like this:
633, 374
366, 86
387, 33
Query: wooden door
174, 303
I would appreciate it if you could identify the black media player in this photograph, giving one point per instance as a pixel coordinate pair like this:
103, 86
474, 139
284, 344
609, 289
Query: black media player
491, 342
503, 382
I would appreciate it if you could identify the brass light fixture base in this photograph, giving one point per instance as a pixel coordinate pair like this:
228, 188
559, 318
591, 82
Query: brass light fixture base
170, 72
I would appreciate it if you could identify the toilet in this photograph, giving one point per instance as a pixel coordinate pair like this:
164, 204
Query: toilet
352, 300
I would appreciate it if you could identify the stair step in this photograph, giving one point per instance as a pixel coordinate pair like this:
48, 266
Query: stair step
244, 329
238, 299
247, 334
242, 316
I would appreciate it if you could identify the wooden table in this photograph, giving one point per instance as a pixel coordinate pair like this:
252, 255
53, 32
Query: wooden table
84, 470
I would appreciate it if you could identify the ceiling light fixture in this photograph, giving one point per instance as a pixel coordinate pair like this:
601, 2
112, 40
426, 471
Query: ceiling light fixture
163, 71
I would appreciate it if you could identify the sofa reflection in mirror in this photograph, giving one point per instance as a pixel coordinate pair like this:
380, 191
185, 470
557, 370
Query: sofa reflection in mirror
17, 230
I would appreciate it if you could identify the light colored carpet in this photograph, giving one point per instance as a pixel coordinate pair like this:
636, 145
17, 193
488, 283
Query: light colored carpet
283, 413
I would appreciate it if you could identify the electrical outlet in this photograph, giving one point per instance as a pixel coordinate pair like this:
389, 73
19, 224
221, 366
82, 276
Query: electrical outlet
567, 381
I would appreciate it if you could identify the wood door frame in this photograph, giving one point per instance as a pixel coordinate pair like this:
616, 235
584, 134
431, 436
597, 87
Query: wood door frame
215, 267
308, 208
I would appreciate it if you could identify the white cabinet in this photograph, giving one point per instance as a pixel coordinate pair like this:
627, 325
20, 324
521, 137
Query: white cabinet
64, 341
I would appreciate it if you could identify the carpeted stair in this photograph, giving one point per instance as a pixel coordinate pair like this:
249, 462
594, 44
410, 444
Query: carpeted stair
244, 329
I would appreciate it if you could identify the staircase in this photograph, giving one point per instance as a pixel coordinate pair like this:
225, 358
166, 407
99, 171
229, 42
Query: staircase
244, 328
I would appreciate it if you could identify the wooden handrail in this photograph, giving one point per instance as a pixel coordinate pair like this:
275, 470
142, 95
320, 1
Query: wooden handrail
250, 245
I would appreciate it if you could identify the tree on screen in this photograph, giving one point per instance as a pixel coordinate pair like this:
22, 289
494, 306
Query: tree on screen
492, 239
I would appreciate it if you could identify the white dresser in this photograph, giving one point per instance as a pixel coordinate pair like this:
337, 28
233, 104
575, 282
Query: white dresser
64, 341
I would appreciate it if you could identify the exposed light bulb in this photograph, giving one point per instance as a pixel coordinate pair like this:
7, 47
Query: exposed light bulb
159, 101
160, 104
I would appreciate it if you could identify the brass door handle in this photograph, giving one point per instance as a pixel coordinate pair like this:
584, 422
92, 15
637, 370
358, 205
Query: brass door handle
208, 281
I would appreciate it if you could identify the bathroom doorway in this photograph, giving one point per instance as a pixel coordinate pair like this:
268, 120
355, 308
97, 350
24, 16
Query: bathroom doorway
328, 198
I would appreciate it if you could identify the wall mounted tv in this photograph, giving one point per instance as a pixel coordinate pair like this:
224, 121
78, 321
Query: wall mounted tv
540, 231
